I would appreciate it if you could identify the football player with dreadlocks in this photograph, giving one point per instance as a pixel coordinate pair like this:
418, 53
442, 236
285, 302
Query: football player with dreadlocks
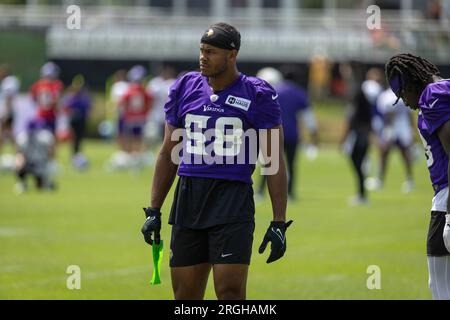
418, 82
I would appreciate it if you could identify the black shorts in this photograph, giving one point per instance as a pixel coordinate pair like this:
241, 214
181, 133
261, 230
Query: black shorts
133, 130
201, 203
435, 241
221, 244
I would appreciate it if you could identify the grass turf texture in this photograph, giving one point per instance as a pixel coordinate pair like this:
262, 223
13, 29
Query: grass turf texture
94, 221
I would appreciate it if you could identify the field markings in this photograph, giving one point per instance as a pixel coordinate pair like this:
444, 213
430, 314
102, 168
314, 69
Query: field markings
10, 268
12, 232
93, 275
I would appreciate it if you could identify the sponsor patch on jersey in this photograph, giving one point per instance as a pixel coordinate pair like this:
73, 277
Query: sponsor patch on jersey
237, 102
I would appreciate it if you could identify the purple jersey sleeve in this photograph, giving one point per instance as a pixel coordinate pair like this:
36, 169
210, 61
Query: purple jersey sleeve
171, 106
266, 112
435, 105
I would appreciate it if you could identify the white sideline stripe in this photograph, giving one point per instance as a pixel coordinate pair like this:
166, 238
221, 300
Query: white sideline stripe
84, 275
12, 232
334, 277
118, 272
11, 268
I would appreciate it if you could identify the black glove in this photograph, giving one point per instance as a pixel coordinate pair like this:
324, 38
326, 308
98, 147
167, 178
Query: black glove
152, 225
276, 233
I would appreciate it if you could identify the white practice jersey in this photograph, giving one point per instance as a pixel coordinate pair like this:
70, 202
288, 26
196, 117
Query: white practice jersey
401, 116
118, 90
8, 87
159, 89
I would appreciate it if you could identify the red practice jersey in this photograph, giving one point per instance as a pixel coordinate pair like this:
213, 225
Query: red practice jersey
46, 94
136, 103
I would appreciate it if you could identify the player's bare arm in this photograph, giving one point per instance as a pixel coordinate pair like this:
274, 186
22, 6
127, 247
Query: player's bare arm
165, 172
277, 183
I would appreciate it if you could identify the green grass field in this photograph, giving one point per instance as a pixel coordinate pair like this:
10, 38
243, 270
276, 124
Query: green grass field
94, 221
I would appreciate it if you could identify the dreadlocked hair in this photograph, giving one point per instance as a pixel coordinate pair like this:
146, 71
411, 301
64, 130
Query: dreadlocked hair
414, 71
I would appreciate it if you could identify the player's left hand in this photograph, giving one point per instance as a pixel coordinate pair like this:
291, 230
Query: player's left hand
276, 234
447, 232
152, 226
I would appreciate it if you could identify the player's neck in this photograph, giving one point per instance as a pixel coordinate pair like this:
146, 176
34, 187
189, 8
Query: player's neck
221, 82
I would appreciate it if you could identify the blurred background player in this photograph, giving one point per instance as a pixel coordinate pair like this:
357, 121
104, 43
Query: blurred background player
77, 104
9, 88
294, 103
113, 125
159, 88
397, 131
118, 90
355, 141
372, 87
418, 82
135, 106
34, 153
319, 75
46, 94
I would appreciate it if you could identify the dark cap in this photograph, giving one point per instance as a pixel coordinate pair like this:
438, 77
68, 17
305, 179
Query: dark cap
222, 35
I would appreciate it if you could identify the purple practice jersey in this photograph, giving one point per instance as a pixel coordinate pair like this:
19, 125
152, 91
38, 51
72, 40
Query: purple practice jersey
292, 99
248, 103
78, 103
434, 106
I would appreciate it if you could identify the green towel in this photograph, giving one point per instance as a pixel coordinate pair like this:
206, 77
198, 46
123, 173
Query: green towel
157, 258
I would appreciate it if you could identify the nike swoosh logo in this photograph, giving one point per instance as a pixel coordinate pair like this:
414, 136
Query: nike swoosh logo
432, 105
226, 255
151, 218
279, 234
274, 97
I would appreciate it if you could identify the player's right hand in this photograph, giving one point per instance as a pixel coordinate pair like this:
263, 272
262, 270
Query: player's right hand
447, 232
152, 226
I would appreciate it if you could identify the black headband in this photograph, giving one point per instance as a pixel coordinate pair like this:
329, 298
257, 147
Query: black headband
229, 38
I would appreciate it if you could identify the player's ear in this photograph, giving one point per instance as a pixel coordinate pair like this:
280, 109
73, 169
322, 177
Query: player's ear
233, 55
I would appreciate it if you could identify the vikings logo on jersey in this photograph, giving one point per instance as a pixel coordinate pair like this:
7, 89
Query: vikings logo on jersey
223, 127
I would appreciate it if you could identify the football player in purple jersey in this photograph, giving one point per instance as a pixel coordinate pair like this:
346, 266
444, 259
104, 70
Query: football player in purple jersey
212, 215
418, 82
